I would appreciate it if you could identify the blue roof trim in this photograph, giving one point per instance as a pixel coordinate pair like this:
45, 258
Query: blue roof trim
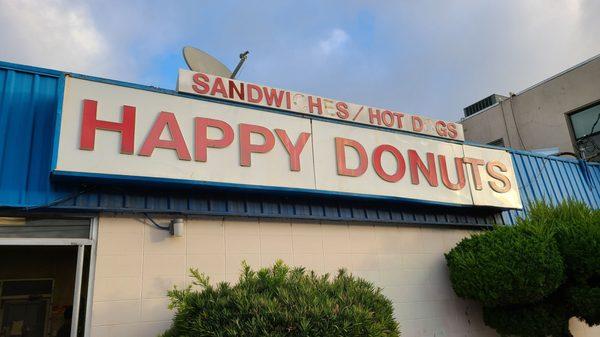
30, 69
128, 198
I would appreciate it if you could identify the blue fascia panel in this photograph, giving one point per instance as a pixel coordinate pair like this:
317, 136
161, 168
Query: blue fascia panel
28, 104
190, 184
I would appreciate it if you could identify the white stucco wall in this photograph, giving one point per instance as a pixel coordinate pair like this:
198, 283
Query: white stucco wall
137, 264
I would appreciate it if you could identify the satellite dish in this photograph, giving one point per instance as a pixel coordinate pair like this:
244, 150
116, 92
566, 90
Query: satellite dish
202, 62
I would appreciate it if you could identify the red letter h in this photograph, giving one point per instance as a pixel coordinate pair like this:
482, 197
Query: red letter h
90, 124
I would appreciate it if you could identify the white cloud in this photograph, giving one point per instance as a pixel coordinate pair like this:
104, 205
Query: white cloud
336, 39
55, 34
450, 54
429, 57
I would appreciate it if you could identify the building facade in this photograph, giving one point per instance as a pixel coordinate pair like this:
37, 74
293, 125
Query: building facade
89, 241
560, 112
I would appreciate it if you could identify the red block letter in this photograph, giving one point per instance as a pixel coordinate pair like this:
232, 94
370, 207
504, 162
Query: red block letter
498, 176
89, 125
201, 136
475, 163
399, 116
388, 118
342, 110
416, 165
374, 116
340, 154
293, 150
460, 172
177, 143
238, 91
440, 128
401, 165
219, 87
247, 148
251, 88
417, 124
200, 83
312, 105
273, 96
452, 132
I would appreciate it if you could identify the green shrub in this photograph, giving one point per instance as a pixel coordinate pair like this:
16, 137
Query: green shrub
585, 303
534, 320
501, 269
577, 231
282, 301
506, 266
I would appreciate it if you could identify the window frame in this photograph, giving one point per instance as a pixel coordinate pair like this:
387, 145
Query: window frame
569, 115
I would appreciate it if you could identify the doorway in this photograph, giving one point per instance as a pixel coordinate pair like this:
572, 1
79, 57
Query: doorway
46, 274
37, 289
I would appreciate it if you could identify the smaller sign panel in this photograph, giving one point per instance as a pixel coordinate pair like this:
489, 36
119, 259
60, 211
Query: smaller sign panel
201, 84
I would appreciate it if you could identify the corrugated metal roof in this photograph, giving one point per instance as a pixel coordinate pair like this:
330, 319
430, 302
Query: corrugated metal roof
29, 99
554, 180
207, 201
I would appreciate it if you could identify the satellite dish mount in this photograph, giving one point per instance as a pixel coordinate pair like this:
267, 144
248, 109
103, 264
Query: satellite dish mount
243, 58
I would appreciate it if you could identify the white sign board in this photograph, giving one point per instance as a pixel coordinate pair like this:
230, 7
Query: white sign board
109, 130
201, 84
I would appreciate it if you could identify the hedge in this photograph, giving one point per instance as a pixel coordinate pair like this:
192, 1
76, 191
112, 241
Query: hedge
282, 301
585, 303
534, 276
577, 231
505, 266
534, 320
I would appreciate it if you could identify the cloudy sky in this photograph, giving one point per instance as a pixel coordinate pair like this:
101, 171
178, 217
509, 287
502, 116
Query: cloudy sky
427, 57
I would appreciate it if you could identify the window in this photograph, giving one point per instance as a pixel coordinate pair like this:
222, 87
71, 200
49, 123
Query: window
497, 142
586, 129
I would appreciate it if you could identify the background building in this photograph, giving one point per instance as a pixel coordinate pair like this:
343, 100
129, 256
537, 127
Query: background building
561, 112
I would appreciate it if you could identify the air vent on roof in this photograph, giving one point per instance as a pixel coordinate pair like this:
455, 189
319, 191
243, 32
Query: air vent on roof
484, 103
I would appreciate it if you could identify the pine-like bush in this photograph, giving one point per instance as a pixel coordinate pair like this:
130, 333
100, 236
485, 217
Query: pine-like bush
502, 268
577, 231
282, 301
585, 303
505, 266
533, 320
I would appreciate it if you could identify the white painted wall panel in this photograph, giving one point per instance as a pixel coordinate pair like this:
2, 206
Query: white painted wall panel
407, 262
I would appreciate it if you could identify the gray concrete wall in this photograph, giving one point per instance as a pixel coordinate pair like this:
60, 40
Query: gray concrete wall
539, 112
486, 126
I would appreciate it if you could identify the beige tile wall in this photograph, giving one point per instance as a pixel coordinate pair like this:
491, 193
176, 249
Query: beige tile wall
138, 263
